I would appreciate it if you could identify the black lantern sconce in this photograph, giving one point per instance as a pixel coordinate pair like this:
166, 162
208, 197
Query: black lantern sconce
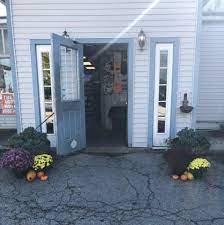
141, 39
185, 108
65, 34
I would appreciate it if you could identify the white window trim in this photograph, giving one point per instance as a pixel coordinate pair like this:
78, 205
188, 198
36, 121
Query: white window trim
159, 138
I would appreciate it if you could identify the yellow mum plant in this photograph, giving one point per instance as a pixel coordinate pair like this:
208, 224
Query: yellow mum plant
198, 167
199, 163
42, 161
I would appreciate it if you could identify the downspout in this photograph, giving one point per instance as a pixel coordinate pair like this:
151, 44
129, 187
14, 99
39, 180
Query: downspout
197, 62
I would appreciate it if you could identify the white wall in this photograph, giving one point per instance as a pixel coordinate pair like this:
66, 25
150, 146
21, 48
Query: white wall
36, 19
210, 111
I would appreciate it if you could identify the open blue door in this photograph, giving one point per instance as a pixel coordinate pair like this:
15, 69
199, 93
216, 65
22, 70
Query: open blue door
68, 92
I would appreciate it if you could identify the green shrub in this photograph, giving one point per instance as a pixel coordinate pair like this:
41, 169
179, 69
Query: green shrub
31, 140
191, 140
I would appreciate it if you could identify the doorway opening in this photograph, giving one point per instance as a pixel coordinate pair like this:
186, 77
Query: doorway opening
106, 94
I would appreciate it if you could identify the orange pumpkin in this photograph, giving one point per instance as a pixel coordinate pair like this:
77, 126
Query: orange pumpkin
190, 176
31, 175
44, 178
183, 177
175, 177
40, 174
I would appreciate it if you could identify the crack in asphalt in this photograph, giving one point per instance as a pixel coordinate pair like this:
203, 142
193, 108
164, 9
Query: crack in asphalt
126, 190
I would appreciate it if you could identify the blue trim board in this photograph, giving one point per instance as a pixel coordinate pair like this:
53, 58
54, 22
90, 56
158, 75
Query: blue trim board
36, 96
130, 43
153, 42
103, 40
197, 64
13, 67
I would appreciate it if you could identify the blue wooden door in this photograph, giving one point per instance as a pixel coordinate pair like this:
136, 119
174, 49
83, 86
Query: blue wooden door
68, 92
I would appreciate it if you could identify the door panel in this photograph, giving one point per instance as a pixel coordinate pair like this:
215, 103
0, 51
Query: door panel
162, 95
67, 64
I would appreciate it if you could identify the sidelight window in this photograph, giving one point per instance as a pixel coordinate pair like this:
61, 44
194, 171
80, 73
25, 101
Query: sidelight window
45, 88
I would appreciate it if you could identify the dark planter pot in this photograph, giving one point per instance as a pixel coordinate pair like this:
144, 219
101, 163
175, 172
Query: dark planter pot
19, 174
198, 173
178, 160
45, 170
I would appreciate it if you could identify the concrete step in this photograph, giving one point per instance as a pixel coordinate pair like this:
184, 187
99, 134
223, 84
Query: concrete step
217, 143
108, 150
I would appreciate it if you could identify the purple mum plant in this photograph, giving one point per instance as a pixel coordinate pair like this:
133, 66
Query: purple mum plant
17, 159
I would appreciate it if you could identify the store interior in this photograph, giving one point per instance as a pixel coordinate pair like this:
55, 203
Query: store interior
106, 94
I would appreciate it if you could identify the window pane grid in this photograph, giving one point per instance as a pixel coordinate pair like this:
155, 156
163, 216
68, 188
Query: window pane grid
69, 74
47, 92
1, 43
163, 70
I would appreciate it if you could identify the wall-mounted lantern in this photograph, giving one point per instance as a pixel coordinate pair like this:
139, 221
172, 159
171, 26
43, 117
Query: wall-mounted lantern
65, 34
185, 108
141, 39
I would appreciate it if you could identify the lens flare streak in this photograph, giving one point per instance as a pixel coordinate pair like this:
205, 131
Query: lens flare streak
126, 29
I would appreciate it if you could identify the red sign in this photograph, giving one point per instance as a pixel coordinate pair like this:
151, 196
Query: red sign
7, 104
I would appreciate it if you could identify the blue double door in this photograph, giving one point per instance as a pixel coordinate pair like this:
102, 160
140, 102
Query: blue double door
68, 92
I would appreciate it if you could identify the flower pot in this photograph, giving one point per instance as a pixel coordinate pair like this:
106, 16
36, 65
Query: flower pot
198, 173
19, 173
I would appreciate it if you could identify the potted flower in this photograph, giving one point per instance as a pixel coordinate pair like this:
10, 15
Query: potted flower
198, 167
17, 159
42, 162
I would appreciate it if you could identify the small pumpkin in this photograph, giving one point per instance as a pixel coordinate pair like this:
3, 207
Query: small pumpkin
31, 175
190, 176
183, 177
175, 177
40, 174
44, 178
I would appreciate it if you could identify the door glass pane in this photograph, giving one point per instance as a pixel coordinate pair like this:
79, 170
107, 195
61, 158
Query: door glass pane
162, 86
50, 126
163, 76
6, 42
47, 93
1, 43
161, 124
69, 74
163, 58
162, 93
45, 60
162, 109
48, 107
47, 77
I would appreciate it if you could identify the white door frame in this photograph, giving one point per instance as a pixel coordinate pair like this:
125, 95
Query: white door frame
40, 49
159, 138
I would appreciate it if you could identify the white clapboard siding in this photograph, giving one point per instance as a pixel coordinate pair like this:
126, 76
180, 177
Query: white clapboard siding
210, 111
37, 19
